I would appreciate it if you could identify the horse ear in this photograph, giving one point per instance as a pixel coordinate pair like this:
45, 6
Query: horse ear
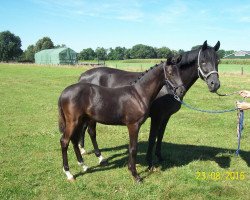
204, 46
169, 60
173, 60
217, 46
178, 59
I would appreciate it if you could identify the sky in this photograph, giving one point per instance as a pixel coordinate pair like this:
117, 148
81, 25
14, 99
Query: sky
81, 24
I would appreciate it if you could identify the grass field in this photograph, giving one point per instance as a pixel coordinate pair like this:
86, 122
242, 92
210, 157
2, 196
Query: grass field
199, 148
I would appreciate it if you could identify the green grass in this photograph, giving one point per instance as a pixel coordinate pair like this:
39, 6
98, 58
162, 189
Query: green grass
30, 158
236, 61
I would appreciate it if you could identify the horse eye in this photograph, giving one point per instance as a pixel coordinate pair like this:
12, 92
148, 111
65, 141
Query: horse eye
170, 73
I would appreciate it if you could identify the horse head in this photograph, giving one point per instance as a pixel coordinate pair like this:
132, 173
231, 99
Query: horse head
172, 76
207, 62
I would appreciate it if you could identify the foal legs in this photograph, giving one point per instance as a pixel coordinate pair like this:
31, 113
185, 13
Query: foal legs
81, 140
64, 145
79, 158
70, 133
133, 139
92, 133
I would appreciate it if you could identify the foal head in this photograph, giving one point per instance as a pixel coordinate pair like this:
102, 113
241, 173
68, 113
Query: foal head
172, 76
207, 62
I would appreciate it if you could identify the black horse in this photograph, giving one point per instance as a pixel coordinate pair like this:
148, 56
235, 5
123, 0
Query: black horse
202, 62
83, 104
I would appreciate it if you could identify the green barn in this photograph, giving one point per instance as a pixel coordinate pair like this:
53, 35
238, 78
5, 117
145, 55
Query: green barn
59, 56
239, 55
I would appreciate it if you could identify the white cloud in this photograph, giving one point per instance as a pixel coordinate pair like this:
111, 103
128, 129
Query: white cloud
122, 10
171, 13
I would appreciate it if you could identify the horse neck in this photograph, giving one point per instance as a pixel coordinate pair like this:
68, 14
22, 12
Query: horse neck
149, 85
189, 72
189, 76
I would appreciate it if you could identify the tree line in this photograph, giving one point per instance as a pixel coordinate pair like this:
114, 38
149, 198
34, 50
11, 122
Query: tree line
10, 50
139, 51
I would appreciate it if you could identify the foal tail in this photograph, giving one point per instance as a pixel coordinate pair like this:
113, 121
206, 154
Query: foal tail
61, 117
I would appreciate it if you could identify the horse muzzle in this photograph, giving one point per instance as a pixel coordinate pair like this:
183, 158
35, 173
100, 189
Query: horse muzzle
213, 82
180, 91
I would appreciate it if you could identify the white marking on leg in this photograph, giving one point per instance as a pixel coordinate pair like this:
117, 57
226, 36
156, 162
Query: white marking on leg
82, 150
84, 167
68, 174
101, 159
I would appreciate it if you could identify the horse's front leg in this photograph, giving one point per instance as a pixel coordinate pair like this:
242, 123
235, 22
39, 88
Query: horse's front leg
92, 133
82, 139
159, 139
157, 129
133, 130
79, 157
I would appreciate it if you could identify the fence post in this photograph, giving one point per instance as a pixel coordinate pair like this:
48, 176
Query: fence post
242, 71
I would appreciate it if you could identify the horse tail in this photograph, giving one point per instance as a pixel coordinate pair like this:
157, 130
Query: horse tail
61, 117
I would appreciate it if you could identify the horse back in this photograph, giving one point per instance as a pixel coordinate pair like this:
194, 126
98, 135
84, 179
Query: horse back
108, 77
113, 106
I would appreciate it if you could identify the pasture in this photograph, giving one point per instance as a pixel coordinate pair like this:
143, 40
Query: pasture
199, 148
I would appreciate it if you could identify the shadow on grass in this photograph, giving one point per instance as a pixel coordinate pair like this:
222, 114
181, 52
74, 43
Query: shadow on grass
175, 155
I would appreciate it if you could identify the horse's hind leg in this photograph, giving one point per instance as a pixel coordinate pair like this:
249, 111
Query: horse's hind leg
75, 140
92, 133
64, 146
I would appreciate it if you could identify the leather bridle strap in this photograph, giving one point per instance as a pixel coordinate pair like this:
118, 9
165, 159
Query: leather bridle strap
204, 76
168, 83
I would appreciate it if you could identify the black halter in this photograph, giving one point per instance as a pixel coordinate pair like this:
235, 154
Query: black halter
201, 74
168, 83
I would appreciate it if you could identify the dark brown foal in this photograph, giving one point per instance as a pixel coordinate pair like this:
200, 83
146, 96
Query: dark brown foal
85, 104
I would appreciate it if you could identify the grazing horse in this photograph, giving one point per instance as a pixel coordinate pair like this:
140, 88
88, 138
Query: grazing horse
84, 104
202, 62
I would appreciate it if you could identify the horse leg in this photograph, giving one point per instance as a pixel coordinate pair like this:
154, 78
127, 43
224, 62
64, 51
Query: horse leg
82, 139
159, 139
155, 130
133, 139
151, 143
92, 133
79, 157
64, 146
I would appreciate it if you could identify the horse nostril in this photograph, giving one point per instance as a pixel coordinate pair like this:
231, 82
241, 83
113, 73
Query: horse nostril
212, 83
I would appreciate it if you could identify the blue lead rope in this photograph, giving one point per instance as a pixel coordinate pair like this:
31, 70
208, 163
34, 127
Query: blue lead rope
240, 128
204, 111
240, 117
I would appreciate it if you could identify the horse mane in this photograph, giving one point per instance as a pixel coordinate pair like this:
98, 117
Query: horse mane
144, 73
189, 57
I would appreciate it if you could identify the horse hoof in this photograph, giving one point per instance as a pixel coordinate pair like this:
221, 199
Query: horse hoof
85, 168
83, 151
151, 168
104, 162
138, 180
71, 179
